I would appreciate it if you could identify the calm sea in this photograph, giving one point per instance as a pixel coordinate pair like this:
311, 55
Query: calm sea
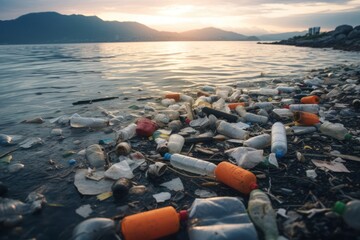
39, 80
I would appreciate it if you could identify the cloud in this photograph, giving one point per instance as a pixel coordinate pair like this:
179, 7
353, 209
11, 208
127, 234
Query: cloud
176, 15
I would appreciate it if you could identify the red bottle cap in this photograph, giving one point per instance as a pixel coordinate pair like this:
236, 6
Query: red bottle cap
183, 215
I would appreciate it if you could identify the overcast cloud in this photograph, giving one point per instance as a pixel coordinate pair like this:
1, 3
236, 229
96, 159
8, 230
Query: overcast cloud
246, 16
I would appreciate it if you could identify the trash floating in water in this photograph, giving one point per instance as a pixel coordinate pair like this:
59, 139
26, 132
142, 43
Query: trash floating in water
90, 187
84, 210
162, 197
175, 185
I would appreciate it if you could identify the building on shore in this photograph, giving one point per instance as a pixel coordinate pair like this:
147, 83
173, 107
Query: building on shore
314, 31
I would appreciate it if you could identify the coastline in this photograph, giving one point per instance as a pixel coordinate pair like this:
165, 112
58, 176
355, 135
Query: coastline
290, 189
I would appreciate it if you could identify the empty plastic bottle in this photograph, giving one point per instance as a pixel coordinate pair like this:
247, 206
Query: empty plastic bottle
219, 218
278, 140
310, 100
287, 89
265, 91
312, 108
191, 164
262, 214
258, 142
306, 118
230, 130
175, 143
350, 212
126, 133
264, 105
236, 177
335, 130
83, 122
152, 224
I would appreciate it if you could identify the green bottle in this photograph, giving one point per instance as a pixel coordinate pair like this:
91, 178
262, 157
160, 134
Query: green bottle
350, 212
262, 214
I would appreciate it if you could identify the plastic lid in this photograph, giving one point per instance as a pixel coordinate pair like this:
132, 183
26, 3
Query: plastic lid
183, 215
347, 136
253, 186
279, 153
167, 156
339, 207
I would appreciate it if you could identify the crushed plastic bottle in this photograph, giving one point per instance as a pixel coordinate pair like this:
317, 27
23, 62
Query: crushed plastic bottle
230, 130
219, 218
191, 164
258, 142
262, 214
95, 228
312, 108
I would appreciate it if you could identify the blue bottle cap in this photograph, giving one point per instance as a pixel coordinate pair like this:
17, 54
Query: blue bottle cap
167, 156
279, 153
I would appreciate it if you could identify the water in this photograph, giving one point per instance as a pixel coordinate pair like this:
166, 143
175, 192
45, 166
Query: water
43, 79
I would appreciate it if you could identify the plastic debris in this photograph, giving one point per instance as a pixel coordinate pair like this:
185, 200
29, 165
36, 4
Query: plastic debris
84, 210
175, 184
90, 187
162, 197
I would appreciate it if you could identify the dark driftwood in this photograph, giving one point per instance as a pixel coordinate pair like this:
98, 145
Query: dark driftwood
93, 100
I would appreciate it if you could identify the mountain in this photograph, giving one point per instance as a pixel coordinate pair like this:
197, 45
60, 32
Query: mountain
280, 36
214, 34
52, 27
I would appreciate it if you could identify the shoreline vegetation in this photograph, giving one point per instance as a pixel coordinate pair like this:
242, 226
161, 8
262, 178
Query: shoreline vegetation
317, 171
343, 37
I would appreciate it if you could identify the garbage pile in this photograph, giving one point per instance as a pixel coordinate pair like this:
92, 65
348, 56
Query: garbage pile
223, 162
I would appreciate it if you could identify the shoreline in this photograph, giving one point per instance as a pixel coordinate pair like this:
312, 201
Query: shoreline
291, 190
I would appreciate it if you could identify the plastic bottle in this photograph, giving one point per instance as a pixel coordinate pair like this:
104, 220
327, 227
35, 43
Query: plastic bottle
223, 91
310, 100
230, 130
251, 117
258, 142
299, 130
145, 127
175, 143
219, 218
235, 177
262, 214
167, 102
283, 113
335, 130
152, 224
312, 108
306, 118
220, 114
232, 106
287, 89
186, 98
175, 96
191, 164
265, 91
83, 122
264, 105
126, 133
350, 212
278, 140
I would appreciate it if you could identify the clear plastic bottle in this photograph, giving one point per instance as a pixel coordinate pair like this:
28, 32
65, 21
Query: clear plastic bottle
312, 108
265, 91
83, 122
219, 218
126, 133
350, 212
335, 130
278, 140
191, 164
262, 214
230, 130
264, 105
258, 142
175, 143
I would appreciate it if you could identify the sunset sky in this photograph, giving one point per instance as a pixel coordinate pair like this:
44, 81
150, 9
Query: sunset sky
243, 16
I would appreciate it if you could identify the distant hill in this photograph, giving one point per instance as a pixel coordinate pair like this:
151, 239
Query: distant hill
280, 36
52, 27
